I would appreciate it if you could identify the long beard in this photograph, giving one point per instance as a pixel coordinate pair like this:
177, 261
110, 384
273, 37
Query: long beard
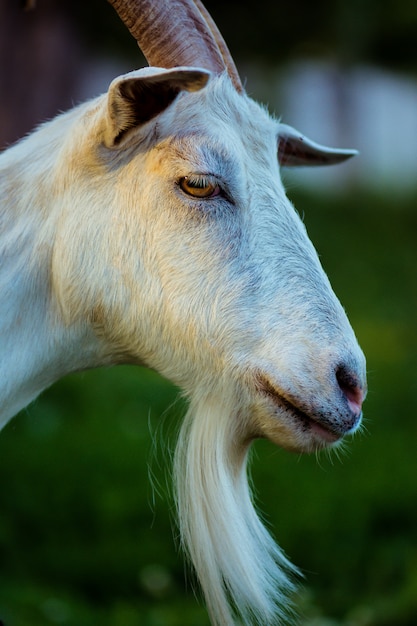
243, 573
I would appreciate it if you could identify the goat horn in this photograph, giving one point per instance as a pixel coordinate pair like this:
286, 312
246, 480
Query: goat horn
174, 33
224, 50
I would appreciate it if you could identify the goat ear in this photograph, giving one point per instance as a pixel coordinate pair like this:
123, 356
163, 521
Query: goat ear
137, 97
294, 149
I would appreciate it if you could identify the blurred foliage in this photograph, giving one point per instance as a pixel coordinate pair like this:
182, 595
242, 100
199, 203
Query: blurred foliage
379, 31
86, 534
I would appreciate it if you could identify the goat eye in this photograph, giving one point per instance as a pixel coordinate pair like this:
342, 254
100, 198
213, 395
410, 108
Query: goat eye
200, 186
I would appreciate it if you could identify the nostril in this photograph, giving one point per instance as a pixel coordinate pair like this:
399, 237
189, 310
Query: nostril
351, 388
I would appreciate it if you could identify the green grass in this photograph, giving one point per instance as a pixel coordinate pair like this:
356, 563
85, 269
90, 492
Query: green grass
85, 538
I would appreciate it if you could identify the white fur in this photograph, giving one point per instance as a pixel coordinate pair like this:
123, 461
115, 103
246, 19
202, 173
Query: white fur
231, 550
104, 260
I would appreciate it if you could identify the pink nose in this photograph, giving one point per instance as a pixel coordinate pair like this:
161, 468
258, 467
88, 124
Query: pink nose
351, 388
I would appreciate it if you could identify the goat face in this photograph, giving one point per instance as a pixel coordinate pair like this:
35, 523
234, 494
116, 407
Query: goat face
200, 266
159, 233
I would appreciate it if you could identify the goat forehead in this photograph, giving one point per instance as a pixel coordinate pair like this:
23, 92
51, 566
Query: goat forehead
229, 118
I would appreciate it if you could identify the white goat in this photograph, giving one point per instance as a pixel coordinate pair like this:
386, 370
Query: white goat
150, 226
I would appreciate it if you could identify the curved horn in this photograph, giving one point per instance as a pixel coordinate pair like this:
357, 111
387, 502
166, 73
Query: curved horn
174, 33
294, 149
224, 50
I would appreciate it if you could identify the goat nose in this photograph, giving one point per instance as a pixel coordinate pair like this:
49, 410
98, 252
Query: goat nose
351, 387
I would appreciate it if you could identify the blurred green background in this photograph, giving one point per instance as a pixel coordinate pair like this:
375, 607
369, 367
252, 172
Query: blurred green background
86, 518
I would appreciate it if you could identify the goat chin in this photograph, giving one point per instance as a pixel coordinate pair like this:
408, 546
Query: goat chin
239, 566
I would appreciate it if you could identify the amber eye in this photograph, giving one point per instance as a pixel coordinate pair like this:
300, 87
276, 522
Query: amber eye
200, 186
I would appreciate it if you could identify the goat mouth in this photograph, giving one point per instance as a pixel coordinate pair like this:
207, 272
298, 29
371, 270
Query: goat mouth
304, 422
